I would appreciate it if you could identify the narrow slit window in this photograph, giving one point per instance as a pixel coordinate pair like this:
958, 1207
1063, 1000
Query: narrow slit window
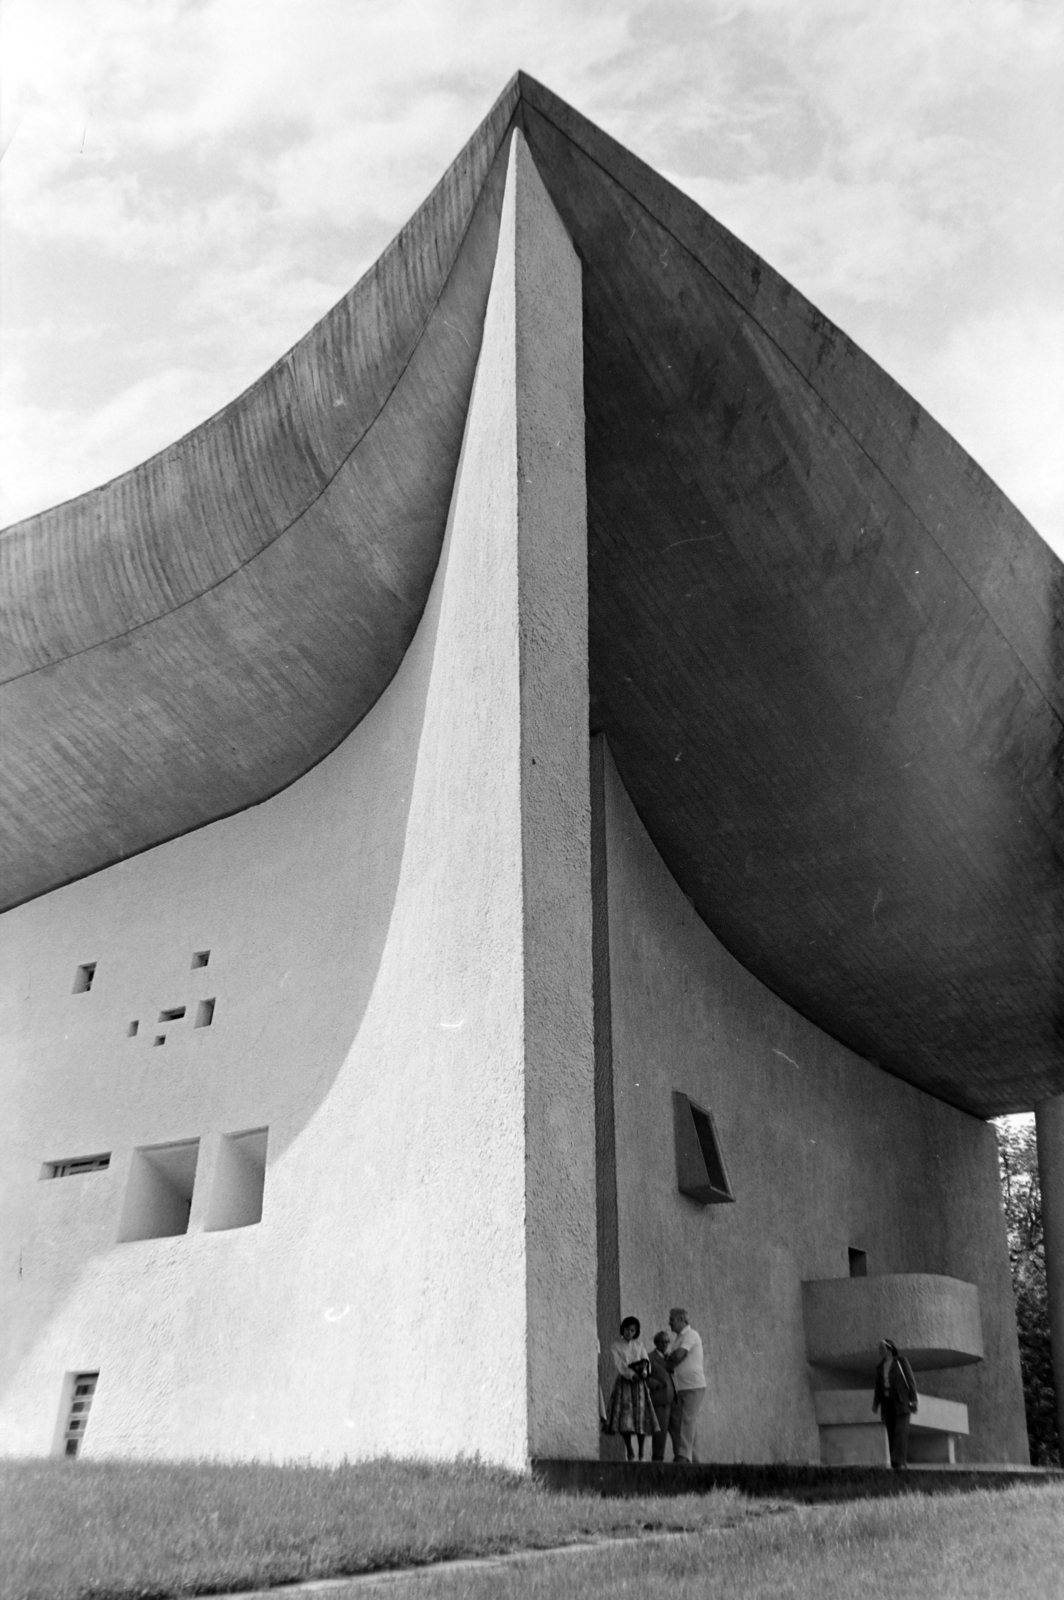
200, 958
700, 1170
82, 1391
173, 1015
239, 1181
83, 977
205, 1014
75, 1166
159, 1191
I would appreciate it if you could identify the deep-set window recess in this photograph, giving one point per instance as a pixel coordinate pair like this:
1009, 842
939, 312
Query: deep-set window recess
200, 958
83, 977
75, 1166
858, 1263
173, 1015
159, 1191
239, 1179
82, 1391
204, 1013
700, 1171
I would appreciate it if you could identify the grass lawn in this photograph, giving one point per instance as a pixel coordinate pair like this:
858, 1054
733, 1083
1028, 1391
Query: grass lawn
123, 1529
115, 1530
991, 1545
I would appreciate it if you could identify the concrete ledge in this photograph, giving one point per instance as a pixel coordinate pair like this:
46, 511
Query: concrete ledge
851, 1435
934, 1320
853, 1408
779, 1480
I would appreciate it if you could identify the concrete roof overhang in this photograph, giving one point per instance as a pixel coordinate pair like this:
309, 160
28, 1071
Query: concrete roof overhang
825, 648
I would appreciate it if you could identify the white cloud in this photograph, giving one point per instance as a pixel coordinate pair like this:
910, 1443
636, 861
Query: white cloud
51, 453
995, 384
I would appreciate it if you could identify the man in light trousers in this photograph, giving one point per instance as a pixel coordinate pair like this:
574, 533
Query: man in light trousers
684, 1358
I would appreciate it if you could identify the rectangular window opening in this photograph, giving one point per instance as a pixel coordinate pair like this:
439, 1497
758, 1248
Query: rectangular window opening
83, 977
173, 1015
239, 1181
131, 1031
82, 1389
158, 1196
858, 1263
160, 1038
200, 958
205, 1014
700, 1170
75, 1166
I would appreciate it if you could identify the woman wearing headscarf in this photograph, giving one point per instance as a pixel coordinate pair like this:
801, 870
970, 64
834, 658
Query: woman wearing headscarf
895, 1399
631, 1413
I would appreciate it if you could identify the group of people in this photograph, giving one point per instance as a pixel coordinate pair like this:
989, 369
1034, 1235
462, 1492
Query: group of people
657, 1394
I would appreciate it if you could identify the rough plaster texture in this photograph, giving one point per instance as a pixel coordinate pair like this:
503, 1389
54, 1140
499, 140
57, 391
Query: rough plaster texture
1049, 1123
824, 1151
934, 1319
384, 982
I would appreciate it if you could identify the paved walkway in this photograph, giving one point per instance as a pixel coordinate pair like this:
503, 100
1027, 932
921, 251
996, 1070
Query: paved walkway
360, 1583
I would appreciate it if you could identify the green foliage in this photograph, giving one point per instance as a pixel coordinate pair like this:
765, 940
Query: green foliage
1018, 1154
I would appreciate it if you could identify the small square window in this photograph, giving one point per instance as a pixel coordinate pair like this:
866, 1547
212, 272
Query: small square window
200, 958
159, 1191
700, 1171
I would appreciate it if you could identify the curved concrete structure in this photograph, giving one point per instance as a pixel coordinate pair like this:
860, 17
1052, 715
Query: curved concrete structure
933, 1320
821, 641
573, 679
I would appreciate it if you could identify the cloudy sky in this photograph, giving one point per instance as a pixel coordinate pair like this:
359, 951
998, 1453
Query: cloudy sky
187, 185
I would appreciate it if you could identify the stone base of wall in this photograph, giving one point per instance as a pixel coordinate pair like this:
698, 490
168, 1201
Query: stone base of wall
779, 1479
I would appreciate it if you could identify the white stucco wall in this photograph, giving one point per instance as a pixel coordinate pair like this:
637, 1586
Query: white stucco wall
824, 1152
377, 939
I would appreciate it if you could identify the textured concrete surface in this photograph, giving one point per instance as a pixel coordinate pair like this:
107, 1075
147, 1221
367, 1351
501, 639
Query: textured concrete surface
387, 940
825, 1153
854, 1445
824, 647
185, 641
1049, 1124
934, 1320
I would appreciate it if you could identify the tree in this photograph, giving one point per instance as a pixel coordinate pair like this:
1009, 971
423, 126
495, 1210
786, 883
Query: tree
1023, 1219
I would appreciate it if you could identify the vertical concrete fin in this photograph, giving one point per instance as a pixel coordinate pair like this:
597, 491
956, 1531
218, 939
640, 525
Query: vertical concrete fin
608, 1299
538, 300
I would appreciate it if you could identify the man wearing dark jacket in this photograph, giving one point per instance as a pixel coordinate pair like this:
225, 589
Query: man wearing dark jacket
662, 1393
895, 1398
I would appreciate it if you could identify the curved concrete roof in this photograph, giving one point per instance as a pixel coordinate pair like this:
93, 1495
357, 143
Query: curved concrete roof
824, 647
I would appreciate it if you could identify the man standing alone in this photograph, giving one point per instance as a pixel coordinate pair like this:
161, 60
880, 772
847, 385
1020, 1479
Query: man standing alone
684, 1359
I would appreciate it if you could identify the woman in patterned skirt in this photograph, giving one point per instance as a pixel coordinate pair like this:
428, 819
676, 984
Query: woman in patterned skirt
631, 1412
